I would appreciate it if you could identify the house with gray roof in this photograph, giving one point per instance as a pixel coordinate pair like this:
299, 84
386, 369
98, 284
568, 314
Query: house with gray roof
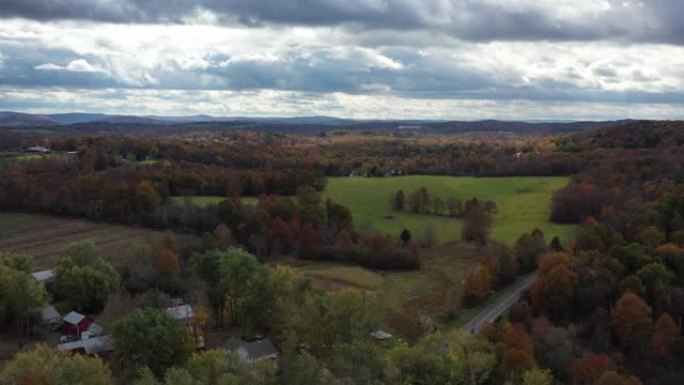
44, 276
96, 346
252, 352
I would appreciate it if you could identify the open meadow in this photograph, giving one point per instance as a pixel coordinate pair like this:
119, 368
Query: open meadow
43, 237
523, 204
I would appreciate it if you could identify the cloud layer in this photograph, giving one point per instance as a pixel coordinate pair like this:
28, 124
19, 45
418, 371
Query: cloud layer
433, 58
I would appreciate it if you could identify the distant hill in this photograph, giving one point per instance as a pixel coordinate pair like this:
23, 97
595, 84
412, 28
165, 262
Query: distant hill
8, 118
97, 122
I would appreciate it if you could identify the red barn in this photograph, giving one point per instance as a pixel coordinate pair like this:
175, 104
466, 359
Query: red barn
73, 324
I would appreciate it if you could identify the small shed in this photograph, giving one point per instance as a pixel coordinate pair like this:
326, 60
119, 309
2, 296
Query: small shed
74, 324
96, 346
182, 313
50, 317
252, 351
44, 276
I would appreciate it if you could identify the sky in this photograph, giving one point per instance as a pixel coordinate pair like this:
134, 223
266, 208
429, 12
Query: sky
366, 59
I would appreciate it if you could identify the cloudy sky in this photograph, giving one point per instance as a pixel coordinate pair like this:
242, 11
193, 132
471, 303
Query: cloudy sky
441, 59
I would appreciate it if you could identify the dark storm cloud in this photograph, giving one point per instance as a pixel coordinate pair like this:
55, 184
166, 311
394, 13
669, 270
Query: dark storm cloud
631, 20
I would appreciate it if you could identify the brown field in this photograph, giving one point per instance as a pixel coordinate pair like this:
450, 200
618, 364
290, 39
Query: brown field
43, 237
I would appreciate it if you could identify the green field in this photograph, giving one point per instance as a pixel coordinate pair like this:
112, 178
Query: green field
523, 203
203, 201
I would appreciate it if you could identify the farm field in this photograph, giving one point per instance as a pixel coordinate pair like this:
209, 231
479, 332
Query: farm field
43, 237
523, 204
405, 297
206, 200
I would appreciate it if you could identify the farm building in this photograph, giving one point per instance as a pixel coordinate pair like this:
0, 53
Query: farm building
97, 346
44, 276
182, 313
49, 316
252, 351
74, 324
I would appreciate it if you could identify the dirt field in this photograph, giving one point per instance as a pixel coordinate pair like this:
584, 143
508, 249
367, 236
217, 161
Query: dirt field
43, 237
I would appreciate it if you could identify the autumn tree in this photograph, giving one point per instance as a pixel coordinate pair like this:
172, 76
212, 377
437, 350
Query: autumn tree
477, 225
20, 262
150, 338
44, 365
234, 283
399, 201
477, 286
84, 278
590, 367
146, 198
631, 321
20, 295
665, 336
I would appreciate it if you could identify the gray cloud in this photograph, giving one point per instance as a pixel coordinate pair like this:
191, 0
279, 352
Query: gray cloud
486, 20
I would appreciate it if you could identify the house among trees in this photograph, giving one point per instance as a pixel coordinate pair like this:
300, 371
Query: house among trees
96, 346
252, 352
44, 276
182, 313
50, 317
74, 324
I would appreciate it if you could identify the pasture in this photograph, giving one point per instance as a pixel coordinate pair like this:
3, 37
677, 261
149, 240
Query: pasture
523, 204
407, 298
43, 237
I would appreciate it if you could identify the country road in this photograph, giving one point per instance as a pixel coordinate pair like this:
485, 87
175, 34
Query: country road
501, 304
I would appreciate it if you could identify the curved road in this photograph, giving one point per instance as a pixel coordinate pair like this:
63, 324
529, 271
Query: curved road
495, 309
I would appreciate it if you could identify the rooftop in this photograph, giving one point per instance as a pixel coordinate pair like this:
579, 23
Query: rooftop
95, 345
44, 276
74, 318
181, 312
255, 350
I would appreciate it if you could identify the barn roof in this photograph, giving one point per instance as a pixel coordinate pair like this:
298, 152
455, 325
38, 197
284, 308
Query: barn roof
74, 318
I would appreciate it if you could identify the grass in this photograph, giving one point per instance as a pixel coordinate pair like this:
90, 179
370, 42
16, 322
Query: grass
43, 237
201, 201
335, 275
406, 297
206, 200
523, 203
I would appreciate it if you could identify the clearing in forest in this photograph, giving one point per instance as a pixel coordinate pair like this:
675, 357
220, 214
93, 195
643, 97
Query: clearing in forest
523, 204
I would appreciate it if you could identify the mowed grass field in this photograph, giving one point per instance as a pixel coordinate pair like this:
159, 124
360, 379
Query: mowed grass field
523, 204
43, 237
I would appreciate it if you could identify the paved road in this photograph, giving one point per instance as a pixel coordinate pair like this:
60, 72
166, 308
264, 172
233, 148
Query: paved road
501, 305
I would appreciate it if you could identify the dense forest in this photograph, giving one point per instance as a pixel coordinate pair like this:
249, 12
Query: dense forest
606, 307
